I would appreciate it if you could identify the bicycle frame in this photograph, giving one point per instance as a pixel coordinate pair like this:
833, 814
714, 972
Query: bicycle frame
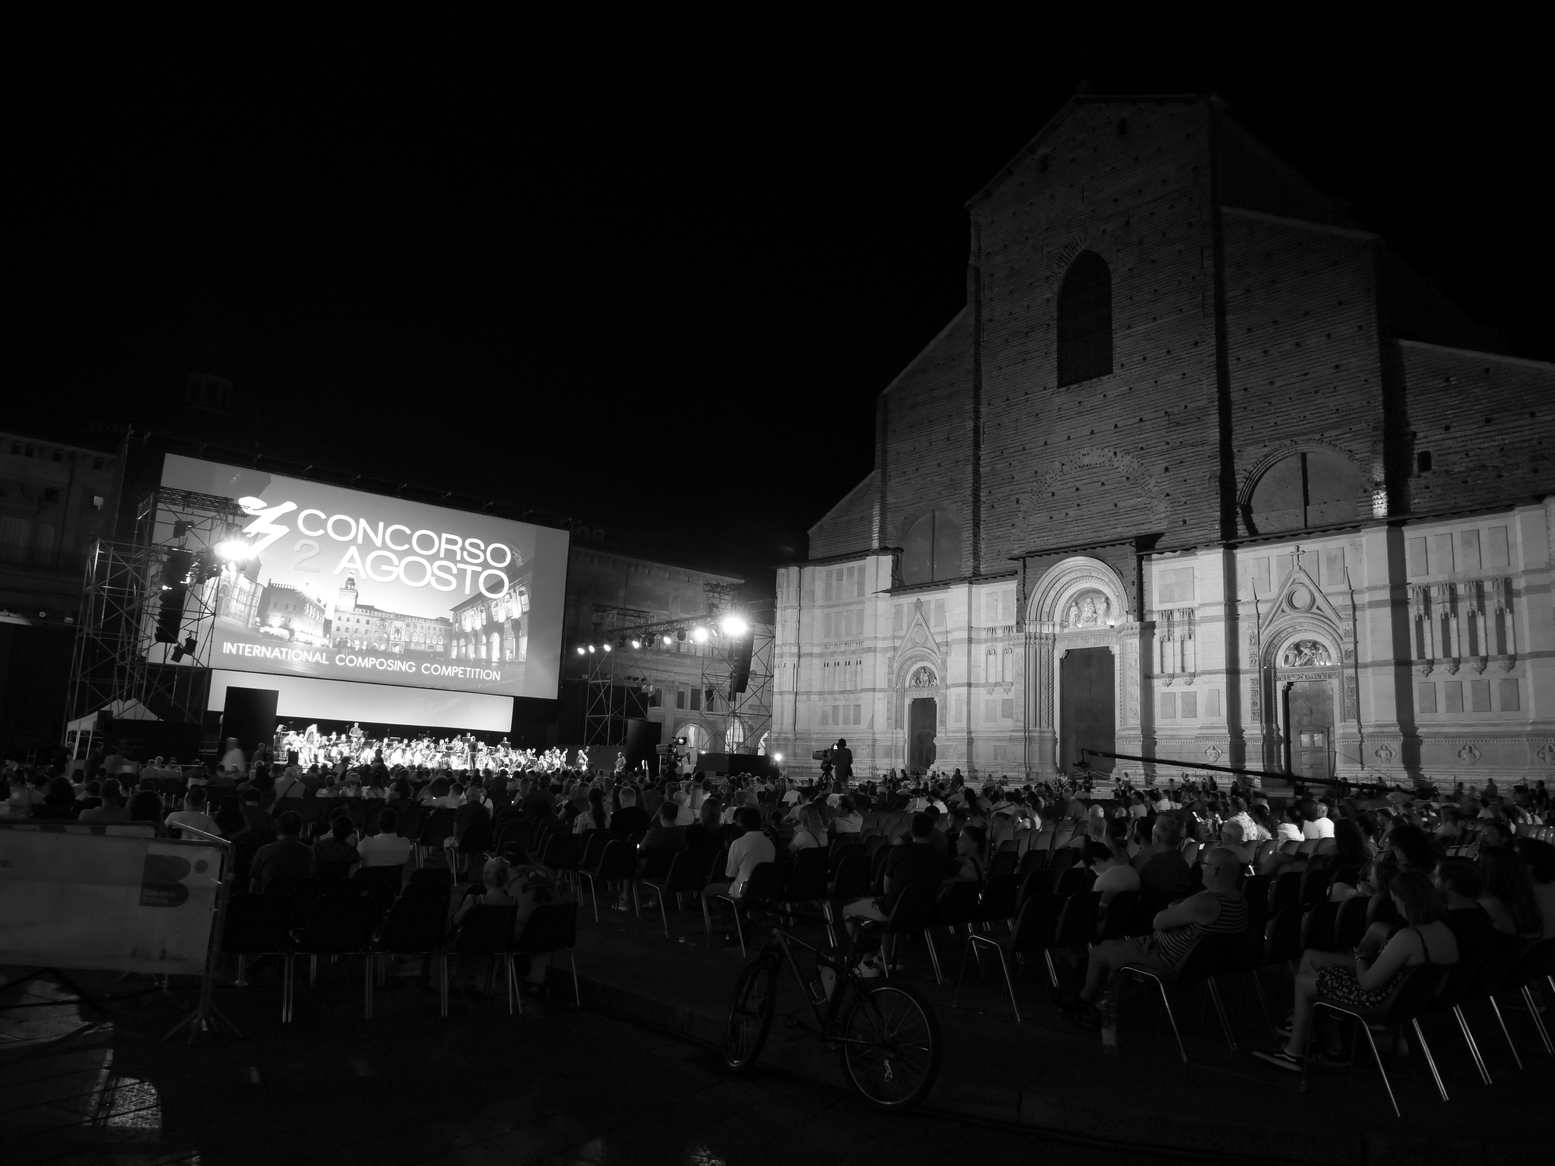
825, 1021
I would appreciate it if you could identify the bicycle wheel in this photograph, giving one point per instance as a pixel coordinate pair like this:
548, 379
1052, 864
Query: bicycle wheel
750, 1013
891, 1045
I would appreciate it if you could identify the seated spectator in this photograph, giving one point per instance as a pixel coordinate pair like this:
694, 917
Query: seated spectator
258, 820
708, 830
1364, 983
969, 856
386, 848
746, 853
1216, 910
847, 819
1508, 896
592, 816
1539, 858
1114, 874
1163, 875
193, 814
338, 846
1412, 848
916, 863
285, 858
146, 806
1494, 835
812, 829
291, 787
113, 808
665, 834
1289, 828
630, 818
1457, 882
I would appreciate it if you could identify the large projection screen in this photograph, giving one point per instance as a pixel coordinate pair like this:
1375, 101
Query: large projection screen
344, 585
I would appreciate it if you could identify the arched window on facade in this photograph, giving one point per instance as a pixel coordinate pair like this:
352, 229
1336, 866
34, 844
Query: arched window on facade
932, 549
1085, 320
1310, 488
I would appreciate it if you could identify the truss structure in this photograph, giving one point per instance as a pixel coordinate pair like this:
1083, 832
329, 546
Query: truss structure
117, 656
742, 718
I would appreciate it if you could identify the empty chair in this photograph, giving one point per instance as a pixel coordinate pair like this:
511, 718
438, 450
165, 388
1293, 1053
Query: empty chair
1120, 918
551, 928
257, 925
415, 925
998, 901
682, 876
1033, 932
1076, 926
337, 925
487, 931
1213, 955
617, 861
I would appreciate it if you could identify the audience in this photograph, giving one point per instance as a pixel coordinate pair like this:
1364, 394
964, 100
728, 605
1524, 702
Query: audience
285, 858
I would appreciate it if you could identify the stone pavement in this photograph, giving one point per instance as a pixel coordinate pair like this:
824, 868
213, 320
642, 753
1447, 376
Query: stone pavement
553, 1086
1048, 1075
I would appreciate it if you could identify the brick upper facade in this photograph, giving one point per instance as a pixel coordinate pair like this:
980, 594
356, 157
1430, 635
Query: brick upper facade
1273, 369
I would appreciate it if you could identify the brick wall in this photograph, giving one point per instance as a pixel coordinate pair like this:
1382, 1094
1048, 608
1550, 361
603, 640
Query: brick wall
849, 525
1120, 454
1488, 423
1302, 345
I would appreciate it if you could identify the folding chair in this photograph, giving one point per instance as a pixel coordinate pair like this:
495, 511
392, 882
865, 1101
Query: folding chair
617, 861
761, 890
1033, 931
1076, 926
486, 931
256, 925
415, 925
684, 876
551, 928
1404, 1006
1212, 955
337, 926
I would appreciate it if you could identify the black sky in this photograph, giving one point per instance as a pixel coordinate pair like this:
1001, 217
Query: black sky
653, 277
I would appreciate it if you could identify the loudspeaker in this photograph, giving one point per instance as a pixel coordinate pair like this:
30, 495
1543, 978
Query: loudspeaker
249, 715
742, 667
641, 738
173, 592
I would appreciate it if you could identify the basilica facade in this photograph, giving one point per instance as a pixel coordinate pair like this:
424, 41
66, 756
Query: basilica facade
1201, 472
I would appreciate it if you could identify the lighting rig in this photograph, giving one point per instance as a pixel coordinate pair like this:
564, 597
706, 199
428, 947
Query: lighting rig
732, 646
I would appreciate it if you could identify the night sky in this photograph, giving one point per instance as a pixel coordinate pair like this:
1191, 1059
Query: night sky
650, 277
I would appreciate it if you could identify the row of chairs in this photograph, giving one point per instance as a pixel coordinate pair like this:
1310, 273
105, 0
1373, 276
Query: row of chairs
371, 917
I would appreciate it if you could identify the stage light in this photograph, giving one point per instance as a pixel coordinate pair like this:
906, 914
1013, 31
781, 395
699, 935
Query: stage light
234, 550
591, 647
668, 641
778, 757
580, 650
699, 634
606, 647
680, 634
636, 644
733, 626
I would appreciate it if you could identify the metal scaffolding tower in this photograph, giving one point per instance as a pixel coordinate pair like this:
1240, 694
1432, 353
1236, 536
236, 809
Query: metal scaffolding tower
121, 653
629, 650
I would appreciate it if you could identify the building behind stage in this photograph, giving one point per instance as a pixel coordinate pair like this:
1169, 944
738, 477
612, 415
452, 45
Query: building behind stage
1201, 472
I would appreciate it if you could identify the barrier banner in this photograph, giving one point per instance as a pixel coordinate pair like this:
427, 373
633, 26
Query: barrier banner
100, 902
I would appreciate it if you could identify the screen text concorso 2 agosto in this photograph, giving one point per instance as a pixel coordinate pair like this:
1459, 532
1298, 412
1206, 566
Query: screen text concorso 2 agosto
346, 585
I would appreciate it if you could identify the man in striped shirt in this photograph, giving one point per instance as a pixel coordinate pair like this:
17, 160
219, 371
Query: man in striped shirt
1218, 909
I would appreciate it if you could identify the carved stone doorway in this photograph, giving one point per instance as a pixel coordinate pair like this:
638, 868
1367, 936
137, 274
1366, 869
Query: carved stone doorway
922, 720
1309, 711
1087, 707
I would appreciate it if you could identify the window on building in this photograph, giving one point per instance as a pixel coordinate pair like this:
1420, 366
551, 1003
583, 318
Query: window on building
680, 698
696, 700
1423, 461
1085, 320
1311, 488
932, 549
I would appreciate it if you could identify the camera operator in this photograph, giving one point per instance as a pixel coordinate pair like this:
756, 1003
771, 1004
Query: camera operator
842, 766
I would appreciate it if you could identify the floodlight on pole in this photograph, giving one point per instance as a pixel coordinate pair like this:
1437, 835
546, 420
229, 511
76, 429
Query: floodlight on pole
234, 550
699, 634
636, 644
733, 626
668, 641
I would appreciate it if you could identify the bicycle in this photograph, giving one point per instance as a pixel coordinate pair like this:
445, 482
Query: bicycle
884, 1031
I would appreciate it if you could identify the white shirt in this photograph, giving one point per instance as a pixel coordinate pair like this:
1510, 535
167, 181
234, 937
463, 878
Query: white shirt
746, 853
1289, 832
1322, 828
384, 850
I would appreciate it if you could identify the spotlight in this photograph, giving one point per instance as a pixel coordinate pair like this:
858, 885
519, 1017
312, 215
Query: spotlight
778, 757
636, 644
699, 634
580, 649
733, 626
668, 641
184, 649
606, 647
234, 550
591, 647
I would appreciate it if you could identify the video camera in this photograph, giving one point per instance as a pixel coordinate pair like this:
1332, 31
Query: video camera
821, 755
